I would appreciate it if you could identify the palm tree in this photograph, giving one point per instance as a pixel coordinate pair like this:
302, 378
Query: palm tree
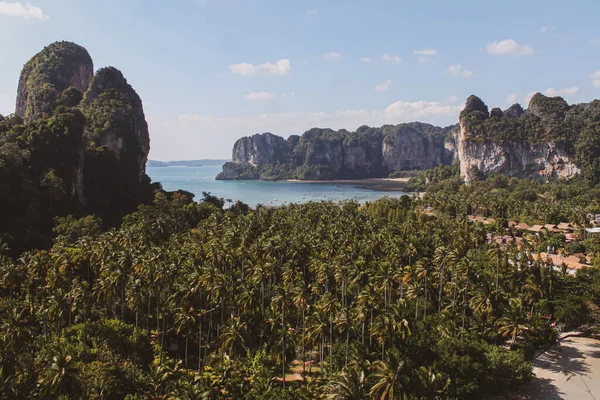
232, 336
390, 377
441, 254
350, 384
60, 378
514, 321
185, 321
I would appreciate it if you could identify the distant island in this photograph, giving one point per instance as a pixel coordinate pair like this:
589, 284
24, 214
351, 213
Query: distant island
186, 163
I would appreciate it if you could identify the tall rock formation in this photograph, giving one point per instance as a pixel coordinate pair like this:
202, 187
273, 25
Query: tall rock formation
116, 120
538, 143
261, 149
118, 143
46, 78
326, 154
108, 159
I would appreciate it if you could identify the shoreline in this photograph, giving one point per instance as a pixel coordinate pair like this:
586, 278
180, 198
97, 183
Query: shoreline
375, 184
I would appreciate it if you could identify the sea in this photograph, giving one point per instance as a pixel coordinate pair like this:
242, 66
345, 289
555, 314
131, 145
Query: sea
202, 179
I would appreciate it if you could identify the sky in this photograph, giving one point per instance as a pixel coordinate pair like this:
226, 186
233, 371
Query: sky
212, 71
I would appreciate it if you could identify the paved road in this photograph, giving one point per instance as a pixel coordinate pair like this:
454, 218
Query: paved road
570, 371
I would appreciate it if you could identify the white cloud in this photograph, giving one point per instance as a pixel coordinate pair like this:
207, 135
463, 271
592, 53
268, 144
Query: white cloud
426, 52
547, 28
509, 47
26, 11
259, 96
595, 77
312, 11
595, 42
459, 70
332, 55
561, 92
383, 87
391, 59
181, 138
452, 99
512, 98
281, 67
366, 60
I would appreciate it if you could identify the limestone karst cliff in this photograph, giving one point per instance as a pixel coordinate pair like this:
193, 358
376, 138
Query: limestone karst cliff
548, 140
77, 144
46, 78
118, 141
116, 120
327, 154
551, 139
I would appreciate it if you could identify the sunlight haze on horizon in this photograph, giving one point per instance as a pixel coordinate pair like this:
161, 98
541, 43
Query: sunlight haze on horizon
210, 71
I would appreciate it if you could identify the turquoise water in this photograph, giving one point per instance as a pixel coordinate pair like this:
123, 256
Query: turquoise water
202, 179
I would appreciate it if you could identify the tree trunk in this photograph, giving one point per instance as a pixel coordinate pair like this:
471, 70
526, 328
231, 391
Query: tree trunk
200, 348
441, 289
283, 341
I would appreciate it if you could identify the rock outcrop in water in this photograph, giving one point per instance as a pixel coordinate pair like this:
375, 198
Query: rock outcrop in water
322, 154
551, 139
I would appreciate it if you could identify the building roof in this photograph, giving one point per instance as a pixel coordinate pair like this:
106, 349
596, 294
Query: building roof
536, 228
551, 228
565, 226
518, 225
559, 260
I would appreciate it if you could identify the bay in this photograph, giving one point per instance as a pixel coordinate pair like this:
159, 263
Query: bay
202, 179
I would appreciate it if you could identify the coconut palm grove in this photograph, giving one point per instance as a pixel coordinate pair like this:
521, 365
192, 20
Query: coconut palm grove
113, 288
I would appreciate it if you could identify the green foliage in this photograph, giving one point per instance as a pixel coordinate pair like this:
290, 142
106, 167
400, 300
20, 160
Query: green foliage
572, 311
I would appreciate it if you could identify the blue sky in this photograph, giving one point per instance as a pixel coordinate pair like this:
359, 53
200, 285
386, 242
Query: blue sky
211, 71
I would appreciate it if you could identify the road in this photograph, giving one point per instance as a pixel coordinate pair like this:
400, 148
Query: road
570, 371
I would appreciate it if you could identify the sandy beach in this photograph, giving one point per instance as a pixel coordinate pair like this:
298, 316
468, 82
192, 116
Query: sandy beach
570, 371
377, 184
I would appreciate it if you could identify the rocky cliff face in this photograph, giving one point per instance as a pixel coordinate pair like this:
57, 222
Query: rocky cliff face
116, 119
327, 154
537, 143
44, 79
109, 162
260, 150
551, 139
408, 149
522, 160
